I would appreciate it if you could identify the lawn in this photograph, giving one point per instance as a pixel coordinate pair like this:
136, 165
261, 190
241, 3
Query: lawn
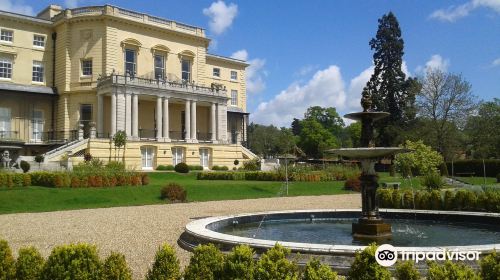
41, 199
478, 180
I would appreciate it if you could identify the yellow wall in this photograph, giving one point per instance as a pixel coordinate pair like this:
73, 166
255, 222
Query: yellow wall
225, 78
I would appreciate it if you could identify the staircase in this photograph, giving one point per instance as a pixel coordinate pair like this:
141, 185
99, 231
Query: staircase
247, 153
73, 146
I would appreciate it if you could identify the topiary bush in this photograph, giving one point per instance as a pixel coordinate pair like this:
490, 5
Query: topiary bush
405, 270
29, 264
316, 271
408, 200
173, 192
365, 266
206, 263
274, 264
115, 268
166, 265
195, 167
25, 166
353, 184
385, 197
435, 200
451, 271
490, 267
165, 167
181, 167
75, 262
432, 181
449, 196
7, 263
239, 264
252, 165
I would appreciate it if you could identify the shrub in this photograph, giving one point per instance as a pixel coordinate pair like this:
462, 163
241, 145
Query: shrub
353, 183
385, 198
115, 166
432, 181
236, 162
206, 263
435, 200
239, 263
451, 271
406, 271
166, 265
459, 200
165, 167
251, 165
25, 166
75, 261
274, 264
422, 200
316, 271
195, 167
449, 196
87, 157
443, 169
181, 167
14, 180
396, 199
39, 159
145, 179
7, 263
365, 267
490, 267
408, 200
220, 168
421, 160
29, 264
115, 268
173, 192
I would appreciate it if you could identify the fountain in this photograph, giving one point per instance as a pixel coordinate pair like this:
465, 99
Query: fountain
370, 225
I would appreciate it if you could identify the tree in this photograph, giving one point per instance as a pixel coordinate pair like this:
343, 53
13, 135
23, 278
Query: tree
119, 140
421, 161
482, 130
327, 117
446, 101
388, 86
270, 140
314, 139
353, 131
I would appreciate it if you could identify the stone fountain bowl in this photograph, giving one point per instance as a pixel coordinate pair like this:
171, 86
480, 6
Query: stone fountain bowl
368, 153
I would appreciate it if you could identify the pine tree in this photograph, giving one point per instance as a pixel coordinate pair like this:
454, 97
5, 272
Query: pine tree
388, 86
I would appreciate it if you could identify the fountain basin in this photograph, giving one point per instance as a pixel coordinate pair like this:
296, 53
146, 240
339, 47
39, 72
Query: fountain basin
226, 232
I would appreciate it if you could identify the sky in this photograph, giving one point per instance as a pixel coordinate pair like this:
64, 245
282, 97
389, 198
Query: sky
308, 53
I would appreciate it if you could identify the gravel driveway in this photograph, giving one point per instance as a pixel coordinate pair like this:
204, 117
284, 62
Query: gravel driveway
138, 231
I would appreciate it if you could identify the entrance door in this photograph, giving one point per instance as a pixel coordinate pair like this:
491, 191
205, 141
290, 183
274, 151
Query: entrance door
86, 118
204, 158
177, 155
147, 154
37, 126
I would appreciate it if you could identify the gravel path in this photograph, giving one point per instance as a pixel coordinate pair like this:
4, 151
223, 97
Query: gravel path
138, 231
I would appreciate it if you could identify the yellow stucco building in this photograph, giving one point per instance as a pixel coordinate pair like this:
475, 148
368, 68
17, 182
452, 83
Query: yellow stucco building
70, 79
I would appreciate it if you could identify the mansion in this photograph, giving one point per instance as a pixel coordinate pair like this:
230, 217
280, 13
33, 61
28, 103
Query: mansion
71, 79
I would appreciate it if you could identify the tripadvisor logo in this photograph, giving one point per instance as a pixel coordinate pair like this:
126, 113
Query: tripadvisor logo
387, 255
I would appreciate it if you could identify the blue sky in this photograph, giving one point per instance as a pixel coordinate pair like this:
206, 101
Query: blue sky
306, 53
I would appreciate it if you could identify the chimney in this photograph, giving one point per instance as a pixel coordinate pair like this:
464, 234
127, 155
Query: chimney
49, 12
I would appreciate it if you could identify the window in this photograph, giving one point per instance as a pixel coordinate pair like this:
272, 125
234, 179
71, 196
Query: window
6, 35
234, 97
204, 157
234, 75
4, 121
186, 70
159, 66
216, 72
5, 68
87, 67
37, 125
86, 118
130, 64
37, 71
177, 155
39, 41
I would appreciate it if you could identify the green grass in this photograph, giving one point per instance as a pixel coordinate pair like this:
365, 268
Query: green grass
405, 182
478, 180
41, 199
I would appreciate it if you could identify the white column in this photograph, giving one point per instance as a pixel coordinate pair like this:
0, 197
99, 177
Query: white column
100, 114
113, 114
187, 120
193, 121
159, 118
135, 116
166, 127
128, 115
213, 127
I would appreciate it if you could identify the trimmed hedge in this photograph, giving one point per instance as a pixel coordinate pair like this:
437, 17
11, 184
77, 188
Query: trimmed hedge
165, 167
312, 176
195, 167
14, 180
84, 180
475, 165
220, 168
75, 261
29, 264
463, 199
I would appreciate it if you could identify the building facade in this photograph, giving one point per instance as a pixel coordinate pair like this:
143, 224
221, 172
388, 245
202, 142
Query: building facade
71, 79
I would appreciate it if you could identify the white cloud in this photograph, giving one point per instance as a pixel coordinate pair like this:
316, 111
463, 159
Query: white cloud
454, 13
435, 62
71, 3
496, 62
305, 70
16, 6
221, 16
255, 73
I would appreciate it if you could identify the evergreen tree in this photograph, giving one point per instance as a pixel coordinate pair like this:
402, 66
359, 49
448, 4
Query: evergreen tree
388, 86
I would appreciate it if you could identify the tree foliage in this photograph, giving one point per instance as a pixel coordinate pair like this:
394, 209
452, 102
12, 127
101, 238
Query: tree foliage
422, 160
269, 140
482, 130
389, 89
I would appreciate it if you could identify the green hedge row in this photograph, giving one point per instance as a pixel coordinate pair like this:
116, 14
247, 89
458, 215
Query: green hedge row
463, 199
476, 166
13, 180
312, 176
81, 262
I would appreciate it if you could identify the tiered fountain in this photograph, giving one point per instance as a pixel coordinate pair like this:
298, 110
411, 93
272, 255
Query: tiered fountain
370, 225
